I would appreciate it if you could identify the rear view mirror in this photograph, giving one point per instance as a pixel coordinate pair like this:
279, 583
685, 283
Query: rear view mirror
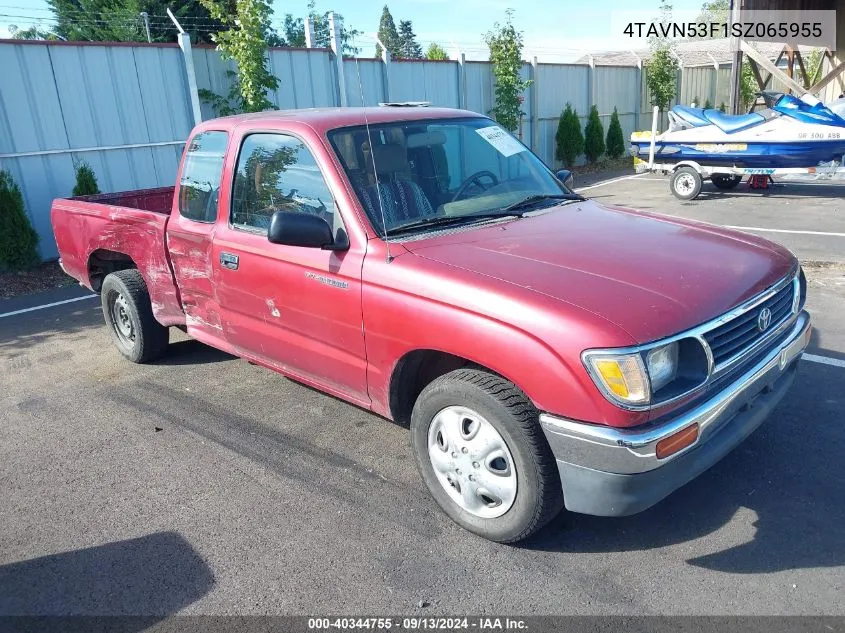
566, 177
294, 228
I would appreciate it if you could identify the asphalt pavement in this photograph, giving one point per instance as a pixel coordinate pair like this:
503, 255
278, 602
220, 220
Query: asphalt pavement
202, 484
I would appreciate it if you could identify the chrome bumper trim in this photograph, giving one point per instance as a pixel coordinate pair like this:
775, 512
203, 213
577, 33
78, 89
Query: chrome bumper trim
631, 451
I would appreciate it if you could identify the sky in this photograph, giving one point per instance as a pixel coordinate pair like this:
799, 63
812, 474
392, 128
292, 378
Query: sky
560, 30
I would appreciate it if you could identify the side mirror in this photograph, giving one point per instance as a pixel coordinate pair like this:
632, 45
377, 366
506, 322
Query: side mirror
565, 176
294, 228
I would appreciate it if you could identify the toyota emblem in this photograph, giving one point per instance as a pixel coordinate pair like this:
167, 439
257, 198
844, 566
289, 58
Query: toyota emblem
764, 319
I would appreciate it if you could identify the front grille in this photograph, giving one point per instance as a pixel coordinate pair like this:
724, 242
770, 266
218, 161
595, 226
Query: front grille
742, 333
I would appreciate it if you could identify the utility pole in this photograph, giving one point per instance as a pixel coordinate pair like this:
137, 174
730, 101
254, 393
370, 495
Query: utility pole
146, 17
736, 67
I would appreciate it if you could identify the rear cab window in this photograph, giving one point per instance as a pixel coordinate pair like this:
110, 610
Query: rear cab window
199, 186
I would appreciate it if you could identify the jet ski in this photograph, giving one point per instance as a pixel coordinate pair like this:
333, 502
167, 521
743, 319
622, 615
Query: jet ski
791, 132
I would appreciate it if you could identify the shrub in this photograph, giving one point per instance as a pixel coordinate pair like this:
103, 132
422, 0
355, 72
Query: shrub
722, 107
615, 139
594, 136
17, 237
569, 141
707, 104
86, 180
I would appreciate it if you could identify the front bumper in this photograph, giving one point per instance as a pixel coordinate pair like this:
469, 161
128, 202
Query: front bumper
615, 472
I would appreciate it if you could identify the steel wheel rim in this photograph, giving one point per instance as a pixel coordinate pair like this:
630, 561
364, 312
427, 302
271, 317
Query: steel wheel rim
472, 462
685, 184
121, 319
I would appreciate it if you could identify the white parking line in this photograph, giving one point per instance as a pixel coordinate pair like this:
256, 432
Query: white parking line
607, 182
46, 305
824, 360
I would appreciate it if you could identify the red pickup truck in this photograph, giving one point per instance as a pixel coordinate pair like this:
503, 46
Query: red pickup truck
545, 350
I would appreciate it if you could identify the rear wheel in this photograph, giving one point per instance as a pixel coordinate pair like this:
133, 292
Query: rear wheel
685, 183
483, 456
129, 315
725, 181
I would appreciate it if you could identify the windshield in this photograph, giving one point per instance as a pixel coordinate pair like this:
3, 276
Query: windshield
439, 169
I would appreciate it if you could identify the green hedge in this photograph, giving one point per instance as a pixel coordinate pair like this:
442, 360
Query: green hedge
18, 240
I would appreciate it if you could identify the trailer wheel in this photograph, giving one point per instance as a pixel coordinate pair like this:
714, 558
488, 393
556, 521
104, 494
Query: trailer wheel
129, 315
685, 183
725, 181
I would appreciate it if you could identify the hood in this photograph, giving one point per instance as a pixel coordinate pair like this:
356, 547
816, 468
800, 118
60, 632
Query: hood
651, 275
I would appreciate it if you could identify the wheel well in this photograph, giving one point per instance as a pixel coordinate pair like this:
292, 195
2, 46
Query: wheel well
414, 371
102, 262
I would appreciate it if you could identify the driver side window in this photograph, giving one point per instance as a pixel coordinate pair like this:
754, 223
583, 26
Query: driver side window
277, 172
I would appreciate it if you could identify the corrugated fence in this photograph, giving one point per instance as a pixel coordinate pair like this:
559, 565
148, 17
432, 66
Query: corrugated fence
125, 108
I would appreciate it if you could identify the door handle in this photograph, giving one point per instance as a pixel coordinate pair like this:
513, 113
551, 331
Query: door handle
227, 260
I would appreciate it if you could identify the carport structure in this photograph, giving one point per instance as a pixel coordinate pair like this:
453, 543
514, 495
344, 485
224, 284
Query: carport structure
831, 65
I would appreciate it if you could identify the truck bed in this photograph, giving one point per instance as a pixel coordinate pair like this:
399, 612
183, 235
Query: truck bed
157, 200
103, 232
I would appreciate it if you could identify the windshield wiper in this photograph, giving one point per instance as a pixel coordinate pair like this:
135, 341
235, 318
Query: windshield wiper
443, 220
539, 197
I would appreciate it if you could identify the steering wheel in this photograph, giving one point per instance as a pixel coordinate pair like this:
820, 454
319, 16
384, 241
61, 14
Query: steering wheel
475, 179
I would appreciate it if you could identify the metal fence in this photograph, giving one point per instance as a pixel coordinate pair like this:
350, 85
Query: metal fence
126, 108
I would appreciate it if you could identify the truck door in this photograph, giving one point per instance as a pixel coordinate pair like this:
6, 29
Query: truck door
294, 308
190, 231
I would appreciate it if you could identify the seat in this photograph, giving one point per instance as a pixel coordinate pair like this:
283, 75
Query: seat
401, 198
693, 116
730, 123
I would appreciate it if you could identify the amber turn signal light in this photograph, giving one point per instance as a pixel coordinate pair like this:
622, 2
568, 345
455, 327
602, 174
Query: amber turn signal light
677, 441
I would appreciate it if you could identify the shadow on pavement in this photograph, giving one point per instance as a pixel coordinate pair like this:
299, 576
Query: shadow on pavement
154, 575
788, 473
191, 352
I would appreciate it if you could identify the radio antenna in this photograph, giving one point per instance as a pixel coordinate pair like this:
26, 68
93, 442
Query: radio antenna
373, 157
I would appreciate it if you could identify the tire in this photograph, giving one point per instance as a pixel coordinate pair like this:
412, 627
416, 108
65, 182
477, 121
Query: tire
129, 317
725, 181
475, 404
685, 183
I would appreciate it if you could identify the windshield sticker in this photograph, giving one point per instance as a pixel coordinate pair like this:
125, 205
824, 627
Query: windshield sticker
501, 140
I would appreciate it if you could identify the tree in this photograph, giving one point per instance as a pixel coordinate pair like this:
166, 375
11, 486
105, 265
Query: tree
435, 51
245, 43
615, 140
505, 44
813, 66
120, 20
594, 136
388, 35
293, 30
748, 87
661, 74
17, 237
86, 180
408, 45
715, 12
32, 33
569, 141
99, 20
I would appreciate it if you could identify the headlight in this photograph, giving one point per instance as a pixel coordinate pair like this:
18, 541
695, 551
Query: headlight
649, 376
662, 365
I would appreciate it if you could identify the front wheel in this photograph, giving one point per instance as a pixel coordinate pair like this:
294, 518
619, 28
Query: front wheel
483, 456
129, 316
